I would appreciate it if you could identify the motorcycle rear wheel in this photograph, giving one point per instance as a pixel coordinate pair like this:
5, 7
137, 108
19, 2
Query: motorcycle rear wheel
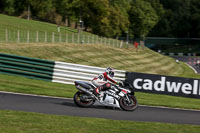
81, 103
125, 105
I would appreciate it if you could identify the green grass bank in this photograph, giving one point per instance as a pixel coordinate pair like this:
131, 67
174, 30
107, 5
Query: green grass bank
24, 122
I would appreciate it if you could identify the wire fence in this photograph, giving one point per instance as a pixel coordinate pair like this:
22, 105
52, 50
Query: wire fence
30, 36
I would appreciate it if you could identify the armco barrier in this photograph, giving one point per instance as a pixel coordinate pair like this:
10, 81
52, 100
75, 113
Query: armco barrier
67, 73
59, 72
160, 84
26, 66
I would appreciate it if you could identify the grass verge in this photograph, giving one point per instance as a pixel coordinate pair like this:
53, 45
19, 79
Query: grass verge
24, 122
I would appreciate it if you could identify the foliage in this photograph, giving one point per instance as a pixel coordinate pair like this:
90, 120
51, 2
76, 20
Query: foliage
112, 18
179, 20
143, 17
7, 6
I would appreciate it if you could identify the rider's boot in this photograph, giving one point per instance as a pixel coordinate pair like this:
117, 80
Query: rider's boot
97, 91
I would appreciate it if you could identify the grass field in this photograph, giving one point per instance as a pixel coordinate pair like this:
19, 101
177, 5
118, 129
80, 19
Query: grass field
145, 60
16, 23
24, 122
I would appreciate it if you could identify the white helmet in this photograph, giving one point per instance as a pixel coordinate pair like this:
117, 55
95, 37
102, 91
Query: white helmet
110, 71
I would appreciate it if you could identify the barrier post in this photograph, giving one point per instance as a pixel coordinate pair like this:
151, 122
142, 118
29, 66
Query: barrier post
52, 37
6, 35
28, 36
45, 37
37, 39
18, 36
72, 37
93, 39
78, 38
60, 38
66, 38
121, 44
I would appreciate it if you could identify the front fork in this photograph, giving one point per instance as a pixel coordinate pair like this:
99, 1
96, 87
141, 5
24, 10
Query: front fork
128, 99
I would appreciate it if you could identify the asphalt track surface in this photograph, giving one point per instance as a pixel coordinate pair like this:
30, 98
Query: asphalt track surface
190, 61
61, 106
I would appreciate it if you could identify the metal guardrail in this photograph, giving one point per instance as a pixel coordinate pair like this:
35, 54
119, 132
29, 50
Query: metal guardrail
26, 66
59, 72
67, 73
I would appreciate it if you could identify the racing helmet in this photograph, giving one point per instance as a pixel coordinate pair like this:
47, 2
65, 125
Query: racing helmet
110, 71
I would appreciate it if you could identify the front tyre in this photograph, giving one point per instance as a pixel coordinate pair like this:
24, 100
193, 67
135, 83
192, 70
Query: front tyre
126, 105
81, 101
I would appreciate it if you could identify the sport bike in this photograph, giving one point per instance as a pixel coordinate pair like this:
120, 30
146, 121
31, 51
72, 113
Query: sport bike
121, 96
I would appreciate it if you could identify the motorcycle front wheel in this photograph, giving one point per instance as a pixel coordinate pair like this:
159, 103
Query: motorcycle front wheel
128, 105
80, 101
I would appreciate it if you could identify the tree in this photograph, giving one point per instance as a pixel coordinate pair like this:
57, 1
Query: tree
143, 17
40, 8
111, 25
120, 13
66, 9
194, 31
7, 7
176, 22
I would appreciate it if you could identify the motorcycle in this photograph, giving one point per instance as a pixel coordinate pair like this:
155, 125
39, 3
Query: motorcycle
121, 96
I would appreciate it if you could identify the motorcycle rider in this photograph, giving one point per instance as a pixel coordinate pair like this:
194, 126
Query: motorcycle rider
102, 81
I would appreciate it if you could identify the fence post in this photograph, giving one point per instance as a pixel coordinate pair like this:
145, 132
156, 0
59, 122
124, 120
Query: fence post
6, 35
37, 39
28, 36
127, 46
53, 37
60, 38
72, 37
142, 44
121, 45
106, 41
93, 39
98, 39
113, 42
82, 39
18, 36
88, 39
78, 38
66, 38
45, 37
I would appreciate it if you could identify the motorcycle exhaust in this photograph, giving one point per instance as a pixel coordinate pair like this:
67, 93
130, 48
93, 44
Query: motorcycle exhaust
84, 90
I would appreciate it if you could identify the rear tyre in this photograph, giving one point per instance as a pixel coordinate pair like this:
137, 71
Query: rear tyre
128, 106
80, 101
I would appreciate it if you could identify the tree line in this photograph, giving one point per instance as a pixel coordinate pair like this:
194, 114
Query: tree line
115, 18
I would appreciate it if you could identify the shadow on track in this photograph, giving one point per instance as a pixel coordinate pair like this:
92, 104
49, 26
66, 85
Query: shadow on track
71, 104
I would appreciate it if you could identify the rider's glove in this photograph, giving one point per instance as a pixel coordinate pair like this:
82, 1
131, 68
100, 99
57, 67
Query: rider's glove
120, 83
